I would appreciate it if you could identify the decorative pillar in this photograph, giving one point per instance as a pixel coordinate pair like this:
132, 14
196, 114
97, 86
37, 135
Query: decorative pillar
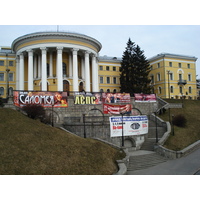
44, 69
39, 66
35, 66
17, 72
70, 65
51, 64
95, 84
82, 67
87, 72
21, 72
59, 69
30, 69
75, 70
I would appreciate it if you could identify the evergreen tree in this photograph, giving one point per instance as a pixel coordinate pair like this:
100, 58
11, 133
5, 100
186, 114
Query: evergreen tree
134, 70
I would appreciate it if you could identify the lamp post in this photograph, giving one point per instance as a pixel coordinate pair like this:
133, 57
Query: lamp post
52, 123
122, 114
172, 125
168, 72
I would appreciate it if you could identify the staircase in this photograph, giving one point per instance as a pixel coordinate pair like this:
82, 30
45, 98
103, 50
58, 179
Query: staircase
144, 161
146, 157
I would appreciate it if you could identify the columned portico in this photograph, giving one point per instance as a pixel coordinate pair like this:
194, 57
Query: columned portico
55, 57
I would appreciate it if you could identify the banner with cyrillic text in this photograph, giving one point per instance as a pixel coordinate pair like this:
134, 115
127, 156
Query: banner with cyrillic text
132, 125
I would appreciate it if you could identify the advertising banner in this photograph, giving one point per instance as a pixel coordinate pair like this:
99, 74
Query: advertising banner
117, 109
132, 125
45, 99
82, 98
145, 97
116, 98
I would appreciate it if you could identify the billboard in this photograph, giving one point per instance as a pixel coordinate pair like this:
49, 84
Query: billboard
87, 98
117, 109
45, 99
116, 98
132, 125
145, 97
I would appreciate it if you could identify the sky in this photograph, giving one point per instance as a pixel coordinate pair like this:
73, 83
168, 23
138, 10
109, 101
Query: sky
153, 39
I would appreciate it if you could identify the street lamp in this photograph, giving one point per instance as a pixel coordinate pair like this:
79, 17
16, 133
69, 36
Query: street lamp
168, 72
122, 114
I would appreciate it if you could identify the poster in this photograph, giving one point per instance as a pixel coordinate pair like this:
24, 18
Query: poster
132, 125
116, 98
145, 97
45, 99
117, 109
82, 98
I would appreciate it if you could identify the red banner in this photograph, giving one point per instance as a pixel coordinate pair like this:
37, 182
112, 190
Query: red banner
45, 99
145, 97
117, 109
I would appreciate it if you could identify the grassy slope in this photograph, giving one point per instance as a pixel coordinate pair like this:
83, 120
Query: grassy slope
30, 147
191, 133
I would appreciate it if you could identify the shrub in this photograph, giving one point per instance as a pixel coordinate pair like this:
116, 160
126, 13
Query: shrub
34, 111
1, 102
179, 120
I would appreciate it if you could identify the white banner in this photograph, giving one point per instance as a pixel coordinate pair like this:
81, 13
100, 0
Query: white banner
132, 125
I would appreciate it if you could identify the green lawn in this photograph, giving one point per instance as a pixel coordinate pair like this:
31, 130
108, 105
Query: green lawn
191, 133
30, 147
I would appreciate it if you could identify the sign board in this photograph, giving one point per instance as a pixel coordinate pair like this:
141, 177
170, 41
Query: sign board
132, 125
82, 98
117, 109
116, 98
145, 97
45, 99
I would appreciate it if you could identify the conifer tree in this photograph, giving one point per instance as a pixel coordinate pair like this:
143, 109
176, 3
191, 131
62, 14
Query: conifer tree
134, 70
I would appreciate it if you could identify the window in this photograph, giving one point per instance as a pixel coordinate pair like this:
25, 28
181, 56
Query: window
64, 69
108, 90
100, 67
158, 77
101, 79
114, 80
152, 79
180, 76
188, 65
108, 79
114, 68
10, 91
114, 91
107, 68
190, 90
10, 63
151, 67
171, 89
10, 77
170, 64
48, 70
1, 91
189, 77
1, 62
179, 65
171, 77
1, 76
158, 65
159, 90
181, 90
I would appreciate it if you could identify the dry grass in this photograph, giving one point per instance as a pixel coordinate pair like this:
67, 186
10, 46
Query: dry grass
29, 147
189, 134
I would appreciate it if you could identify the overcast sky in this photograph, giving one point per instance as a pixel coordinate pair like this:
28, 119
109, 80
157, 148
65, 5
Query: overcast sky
153, 39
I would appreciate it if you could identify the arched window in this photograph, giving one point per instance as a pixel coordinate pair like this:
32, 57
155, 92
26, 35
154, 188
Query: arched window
114, 91
190, 90
1, 91
108, 90
101, 90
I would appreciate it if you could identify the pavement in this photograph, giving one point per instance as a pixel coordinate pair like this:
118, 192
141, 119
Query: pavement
187, 165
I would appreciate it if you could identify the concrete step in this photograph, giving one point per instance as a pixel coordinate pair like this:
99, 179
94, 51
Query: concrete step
152, 132
144, 161
148, 145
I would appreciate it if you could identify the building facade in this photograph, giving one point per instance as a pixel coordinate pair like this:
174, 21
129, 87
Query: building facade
63, 61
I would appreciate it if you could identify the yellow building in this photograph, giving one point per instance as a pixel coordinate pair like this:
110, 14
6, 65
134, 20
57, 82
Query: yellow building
173, 76
63, 61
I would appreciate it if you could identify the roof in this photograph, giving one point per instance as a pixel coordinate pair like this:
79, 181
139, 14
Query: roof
110, 59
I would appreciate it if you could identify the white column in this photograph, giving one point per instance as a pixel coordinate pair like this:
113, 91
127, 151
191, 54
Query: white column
51, 64
44, 69
87, 72
30, 69
83, 67
59, 69
75, 70
39, 66
21, 72
70, 65
95, 85
17, 72
35, 66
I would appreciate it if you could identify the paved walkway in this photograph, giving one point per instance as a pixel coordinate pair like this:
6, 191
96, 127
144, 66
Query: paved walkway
187, 165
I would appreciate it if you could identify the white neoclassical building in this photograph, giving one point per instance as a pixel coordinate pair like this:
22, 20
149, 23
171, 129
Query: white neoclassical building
56, 61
